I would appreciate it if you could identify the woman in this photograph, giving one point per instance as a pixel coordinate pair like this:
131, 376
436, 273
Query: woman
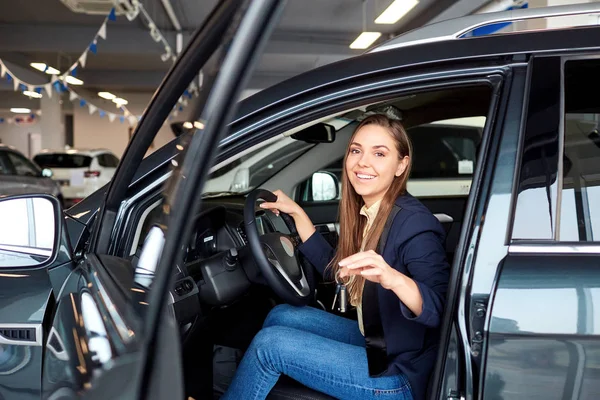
398, 287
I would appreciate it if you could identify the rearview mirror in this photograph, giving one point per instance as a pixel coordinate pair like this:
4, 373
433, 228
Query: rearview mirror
318, 133
28, 235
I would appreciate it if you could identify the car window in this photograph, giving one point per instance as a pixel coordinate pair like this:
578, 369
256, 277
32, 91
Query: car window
113, 161
21, 165
102, 161
537, 186
5, 167
580, 200
445, 149
62, 160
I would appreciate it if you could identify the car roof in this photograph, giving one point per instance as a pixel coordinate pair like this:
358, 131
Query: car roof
10, 148
81, 151
456, 28
451, 52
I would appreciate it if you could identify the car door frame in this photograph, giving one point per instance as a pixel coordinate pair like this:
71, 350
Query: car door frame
535, 264
142, 370
288, 116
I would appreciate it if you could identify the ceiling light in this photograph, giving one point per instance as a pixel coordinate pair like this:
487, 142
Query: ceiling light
119, 101
198, 125
396, 10
45, 68
19, 110
188, 125
107, 95
35, 95
364, 40
71, 80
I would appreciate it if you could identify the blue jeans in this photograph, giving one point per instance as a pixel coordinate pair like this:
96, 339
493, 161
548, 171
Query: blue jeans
320, 350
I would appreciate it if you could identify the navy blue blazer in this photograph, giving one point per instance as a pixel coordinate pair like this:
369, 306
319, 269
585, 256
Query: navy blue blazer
415, 247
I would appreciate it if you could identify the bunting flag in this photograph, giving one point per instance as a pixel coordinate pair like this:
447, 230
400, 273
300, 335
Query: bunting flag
112, 16
48, 87
83, 59
93, 47
93, 108
132, 120
2, 70
111, 117
72, 95
122, 118
102, 113
102, 31
16, 83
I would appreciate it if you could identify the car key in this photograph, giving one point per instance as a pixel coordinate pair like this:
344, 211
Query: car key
341, 298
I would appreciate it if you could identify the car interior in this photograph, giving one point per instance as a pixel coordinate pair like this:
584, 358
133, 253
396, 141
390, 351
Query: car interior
233, 297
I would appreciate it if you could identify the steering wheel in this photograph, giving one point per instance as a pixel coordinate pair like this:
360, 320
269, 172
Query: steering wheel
275, 254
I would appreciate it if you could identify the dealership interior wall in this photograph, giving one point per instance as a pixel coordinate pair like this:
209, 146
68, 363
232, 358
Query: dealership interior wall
56, 121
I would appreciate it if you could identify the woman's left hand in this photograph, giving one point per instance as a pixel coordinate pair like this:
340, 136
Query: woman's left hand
373, 267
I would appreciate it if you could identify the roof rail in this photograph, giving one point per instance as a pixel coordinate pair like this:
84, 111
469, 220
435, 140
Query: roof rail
455, 28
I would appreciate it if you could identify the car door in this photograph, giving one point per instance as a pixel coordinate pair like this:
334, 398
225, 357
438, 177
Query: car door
93, 323
542, 331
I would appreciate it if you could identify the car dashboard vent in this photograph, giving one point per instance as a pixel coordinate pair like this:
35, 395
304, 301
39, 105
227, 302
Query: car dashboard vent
20, 334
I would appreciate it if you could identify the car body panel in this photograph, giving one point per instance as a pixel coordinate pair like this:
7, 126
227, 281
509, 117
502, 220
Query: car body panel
17, 184
544, 327
29, 292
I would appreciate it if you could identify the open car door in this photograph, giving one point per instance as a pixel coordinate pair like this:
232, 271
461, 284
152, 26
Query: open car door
111, 332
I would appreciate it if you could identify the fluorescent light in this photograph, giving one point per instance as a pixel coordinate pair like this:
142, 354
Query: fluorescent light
396, 10
71, 80
19, 110
107, 95
198, 125
188, 125
120, 102
29, 93
364, 40
45, 68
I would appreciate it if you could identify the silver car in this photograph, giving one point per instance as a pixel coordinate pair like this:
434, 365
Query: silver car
19, 175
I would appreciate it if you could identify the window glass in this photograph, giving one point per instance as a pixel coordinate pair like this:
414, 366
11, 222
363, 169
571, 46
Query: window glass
5, 168
102, 160
580, 211
113, 161
537, 186
61, 160
21, 165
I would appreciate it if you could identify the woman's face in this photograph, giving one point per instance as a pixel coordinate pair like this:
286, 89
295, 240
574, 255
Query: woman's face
373, 162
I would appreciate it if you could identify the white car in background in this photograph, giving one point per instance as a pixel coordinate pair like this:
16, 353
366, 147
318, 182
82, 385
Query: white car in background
79, 172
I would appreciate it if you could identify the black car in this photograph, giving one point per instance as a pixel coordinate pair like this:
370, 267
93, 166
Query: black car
136, 291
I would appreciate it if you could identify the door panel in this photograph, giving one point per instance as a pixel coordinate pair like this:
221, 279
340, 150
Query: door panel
93, 327
25, 297
544, 333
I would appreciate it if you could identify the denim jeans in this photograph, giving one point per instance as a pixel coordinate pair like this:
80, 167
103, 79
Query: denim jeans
320, 350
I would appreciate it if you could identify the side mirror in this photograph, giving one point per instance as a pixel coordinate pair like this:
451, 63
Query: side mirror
29, 235
318, 133
325, 186
47, 173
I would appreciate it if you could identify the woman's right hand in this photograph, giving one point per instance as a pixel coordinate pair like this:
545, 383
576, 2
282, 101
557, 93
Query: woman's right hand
304, 225
283, 204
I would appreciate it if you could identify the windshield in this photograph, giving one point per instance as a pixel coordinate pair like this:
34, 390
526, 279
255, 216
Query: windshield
62, 160
251, 169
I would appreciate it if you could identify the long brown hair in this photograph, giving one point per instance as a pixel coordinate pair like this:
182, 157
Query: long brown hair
351, 226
